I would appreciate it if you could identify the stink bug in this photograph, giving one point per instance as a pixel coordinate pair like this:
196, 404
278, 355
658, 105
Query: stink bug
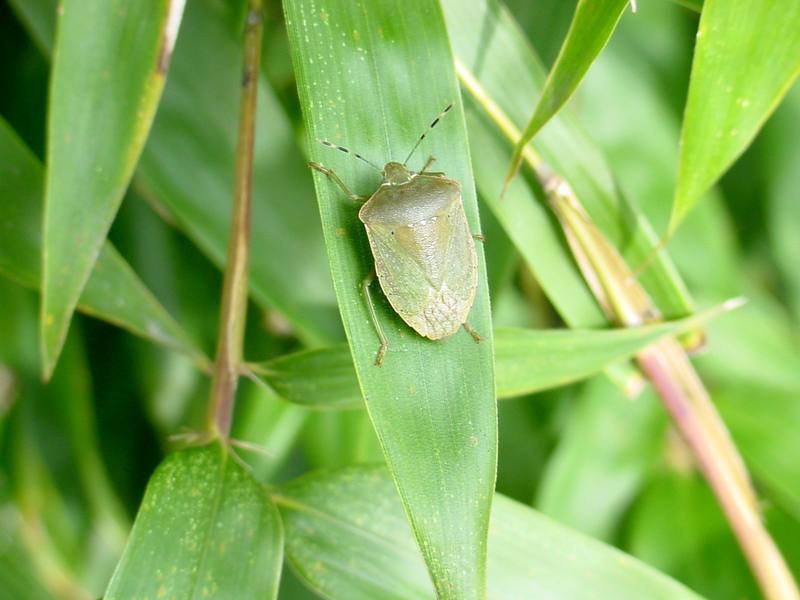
423, 249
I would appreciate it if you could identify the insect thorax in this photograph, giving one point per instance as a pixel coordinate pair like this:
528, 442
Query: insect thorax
421, 198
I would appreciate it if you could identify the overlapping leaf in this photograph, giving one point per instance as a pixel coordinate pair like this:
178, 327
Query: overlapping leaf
110, 61
205, 528
500, 71
530, 556
113, 292
746, 58
526, 360
592, 25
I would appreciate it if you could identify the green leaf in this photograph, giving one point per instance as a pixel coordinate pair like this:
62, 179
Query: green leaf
372, 76
602, 458
356, 511
205, 528
746, 58
18, 578
109, 66
764, 422
591, 28
783, 180
188, 166
506, 71
113, 292
678, 527
639, 131
526, 361
186, 169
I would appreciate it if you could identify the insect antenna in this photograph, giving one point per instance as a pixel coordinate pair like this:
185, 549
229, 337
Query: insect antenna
348, 151
431, 126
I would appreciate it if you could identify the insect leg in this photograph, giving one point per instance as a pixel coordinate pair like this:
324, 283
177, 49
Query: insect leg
337, 180
468, 328
374, 316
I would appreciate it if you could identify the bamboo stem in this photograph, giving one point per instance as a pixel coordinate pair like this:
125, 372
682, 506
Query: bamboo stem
696, 418
233, 312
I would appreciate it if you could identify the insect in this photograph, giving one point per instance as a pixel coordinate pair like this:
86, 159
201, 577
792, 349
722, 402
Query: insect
421, 243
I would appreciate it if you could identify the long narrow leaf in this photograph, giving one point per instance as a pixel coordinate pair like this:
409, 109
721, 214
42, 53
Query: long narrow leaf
526, 361
187, 168
372, 76
530, 556
110, 61
187, 165
591, 28
746, 58
113, 292
205, 528
493, 53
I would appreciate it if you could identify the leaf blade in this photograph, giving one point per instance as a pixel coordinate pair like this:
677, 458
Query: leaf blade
529, 555
440, 392
739, 75
113, 292
94, 140
527, 361
204, 526
595, 21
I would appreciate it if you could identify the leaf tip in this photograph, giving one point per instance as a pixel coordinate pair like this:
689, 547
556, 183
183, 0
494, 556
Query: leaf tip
513, 169
733, 303
53, 332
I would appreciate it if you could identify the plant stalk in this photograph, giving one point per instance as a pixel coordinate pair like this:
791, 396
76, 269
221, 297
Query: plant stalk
694, 415
665, 363
233, 312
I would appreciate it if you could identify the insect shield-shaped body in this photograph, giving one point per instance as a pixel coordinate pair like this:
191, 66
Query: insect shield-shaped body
423, 249
422, 245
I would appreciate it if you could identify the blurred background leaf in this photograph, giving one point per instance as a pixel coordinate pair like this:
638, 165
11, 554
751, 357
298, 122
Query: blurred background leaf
592, 25
746, 58
113, 292
110, 61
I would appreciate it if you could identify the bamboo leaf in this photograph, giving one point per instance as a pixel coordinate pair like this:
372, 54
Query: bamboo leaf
357, 510
188, 165
591, 28
205, 528
500, 72
113, 292
110, 61
746, 58
526, 361
371, 76
602, 459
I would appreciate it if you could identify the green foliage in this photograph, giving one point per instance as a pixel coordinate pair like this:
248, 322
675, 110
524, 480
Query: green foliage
591, 28
370, 47
746, 59
205, 528
109, 66
95, 500
356, 509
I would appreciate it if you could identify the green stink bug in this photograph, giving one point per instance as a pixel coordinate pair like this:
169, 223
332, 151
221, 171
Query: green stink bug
423, 249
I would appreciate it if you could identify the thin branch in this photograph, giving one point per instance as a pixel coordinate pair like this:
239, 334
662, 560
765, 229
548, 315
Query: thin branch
234, 293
